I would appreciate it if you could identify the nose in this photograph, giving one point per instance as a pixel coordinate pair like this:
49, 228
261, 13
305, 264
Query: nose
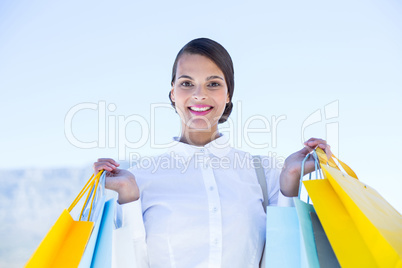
199, 93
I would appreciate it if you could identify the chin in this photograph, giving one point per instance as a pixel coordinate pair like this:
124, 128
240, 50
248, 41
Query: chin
200, 124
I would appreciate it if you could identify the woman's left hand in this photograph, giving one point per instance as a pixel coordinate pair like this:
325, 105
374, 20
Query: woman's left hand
291, 172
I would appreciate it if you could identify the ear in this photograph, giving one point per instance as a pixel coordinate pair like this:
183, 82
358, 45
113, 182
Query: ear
227, 99
172, 97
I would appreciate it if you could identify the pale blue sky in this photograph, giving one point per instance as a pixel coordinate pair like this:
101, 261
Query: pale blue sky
291, 59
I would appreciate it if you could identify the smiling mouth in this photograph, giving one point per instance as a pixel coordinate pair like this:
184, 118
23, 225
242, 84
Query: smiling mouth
200, 109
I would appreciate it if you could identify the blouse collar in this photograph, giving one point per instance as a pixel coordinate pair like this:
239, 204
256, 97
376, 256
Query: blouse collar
219, 147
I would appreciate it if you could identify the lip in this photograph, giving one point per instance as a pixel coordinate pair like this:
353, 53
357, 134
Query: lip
200, 106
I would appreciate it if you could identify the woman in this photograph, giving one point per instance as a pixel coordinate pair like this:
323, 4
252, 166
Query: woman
203, 208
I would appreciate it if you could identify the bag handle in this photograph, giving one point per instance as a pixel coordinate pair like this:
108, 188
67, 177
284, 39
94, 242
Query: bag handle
316, 167
325, 161
97, 196
91, 183
92, 193
320, 158
259, 170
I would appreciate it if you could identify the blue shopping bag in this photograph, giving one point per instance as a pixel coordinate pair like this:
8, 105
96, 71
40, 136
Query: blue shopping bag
289, 235
282, 246
102, 256
308, 249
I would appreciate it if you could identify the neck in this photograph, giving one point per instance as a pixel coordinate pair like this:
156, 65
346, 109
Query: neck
198, 138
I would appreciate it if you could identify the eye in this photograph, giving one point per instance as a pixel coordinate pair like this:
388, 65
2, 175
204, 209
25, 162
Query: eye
186, 84
213, 84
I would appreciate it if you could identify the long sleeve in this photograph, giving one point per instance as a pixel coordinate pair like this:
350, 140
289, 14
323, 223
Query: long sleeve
129, 237
284, 201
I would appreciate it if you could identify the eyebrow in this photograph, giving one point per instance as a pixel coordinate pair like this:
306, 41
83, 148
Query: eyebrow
214, 77
186, 76
208, 78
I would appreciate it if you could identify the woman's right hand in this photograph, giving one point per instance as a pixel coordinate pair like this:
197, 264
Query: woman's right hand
119, 180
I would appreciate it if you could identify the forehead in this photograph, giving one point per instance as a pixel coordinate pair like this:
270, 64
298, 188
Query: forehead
195, 64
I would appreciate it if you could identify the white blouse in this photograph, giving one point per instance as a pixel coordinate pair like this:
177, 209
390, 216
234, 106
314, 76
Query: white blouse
200, 207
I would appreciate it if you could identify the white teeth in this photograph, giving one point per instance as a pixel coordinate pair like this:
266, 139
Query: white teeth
200, 109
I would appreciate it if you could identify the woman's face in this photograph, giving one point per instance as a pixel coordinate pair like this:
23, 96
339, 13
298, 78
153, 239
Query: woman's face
200, 92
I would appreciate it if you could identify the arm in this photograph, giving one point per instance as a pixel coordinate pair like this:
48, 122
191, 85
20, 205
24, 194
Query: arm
129, 239
290, 175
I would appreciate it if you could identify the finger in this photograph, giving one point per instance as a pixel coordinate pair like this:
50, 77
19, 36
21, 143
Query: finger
328, 151
313, 142
326, 148
311, 139
110, 174
109, 164
322, 146
98, 166
109, 160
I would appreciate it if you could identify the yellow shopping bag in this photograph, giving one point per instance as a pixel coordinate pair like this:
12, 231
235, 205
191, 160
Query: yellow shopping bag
64, 244
363, 229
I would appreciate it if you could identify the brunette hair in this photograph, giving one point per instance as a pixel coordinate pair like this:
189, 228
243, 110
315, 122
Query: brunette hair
218, 54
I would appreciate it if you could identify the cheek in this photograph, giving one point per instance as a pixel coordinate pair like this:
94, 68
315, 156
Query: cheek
181, 99
178, 98
222, 100
183, 94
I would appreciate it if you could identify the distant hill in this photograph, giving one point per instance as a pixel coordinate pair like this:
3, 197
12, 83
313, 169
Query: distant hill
31, 200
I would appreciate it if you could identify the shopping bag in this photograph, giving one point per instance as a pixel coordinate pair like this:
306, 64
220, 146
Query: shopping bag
96, 217
363, 229
282, 245
102, 256
289, 235
64, 244
325, 253
308, 250
345, 239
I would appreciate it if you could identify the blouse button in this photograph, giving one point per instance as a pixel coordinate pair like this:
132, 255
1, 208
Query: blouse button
211, 188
